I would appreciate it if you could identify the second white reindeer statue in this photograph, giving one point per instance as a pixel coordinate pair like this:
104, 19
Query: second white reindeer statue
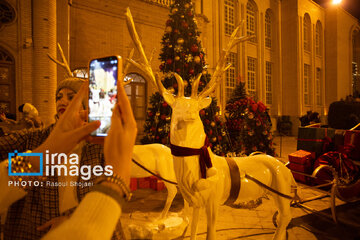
205, 179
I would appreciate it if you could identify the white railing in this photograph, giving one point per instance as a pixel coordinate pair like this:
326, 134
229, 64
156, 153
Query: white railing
165, 3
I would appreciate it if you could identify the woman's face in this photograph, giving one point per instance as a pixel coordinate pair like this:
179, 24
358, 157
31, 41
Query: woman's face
63, 99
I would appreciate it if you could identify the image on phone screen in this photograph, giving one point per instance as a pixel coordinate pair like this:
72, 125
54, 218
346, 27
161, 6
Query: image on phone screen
103, 74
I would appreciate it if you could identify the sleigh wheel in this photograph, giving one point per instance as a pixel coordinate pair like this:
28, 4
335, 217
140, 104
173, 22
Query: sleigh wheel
274, 218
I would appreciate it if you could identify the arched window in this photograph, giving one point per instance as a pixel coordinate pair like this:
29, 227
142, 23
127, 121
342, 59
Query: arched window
7, 13
251, 24
307, 32
229, 16
268, 29
7, 83
136, 91
318, 39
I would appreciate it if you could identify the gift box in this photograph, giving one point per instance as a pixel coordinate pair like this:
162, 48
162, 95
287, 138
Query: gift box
144, 183
133, 184
156, 184
317, 140
352, 144
301, 162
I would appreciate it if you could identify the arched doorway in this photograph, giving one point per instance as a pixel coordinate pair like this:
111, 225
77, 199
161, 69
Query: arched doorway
7, 83
136, 91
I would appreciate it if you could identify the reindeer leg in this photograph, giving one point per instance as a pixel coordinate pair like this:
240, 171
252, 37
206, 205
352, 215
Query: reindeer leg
194, 223
211, 214
283, 205
171, 189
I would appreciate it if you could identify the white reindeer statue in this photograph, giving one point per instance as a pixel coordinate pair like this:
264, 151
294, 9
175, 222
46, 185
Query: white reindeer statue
158, 159
205, 179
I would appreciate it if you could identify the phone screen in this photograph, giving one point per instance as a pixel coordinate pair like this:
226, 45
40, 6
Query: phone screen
103, 74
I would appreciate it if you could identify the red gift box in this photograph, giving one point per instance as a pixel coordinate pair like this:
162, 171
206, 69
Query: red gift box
156, 184
352, 143
144, 182
301, 162
133, 184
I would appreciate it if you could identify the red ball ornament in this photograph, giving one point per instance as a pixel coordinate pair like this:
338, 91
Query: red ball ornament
150, 114
157, 137
191, 71
169, 61
210, 132
202, 112
164, 104
190, 34
163, 117
194, 48
178, 70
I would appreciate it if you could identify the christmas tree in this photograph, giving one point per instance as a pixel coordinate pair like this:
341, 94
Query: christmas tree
248, 123
182, 53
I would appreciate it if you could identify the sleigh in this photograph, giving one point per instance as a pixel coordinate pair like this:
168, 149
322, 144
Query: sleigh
332, 183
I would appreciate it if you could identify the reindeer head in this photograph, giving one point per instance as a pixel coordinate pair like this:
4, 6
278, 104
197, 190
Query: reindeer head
185, 109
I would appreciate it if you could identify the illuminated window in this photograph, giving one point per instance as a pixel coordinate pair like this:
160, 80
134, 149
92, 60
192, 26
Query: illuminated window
230, 83
268, 83
268, 30
307, 84
318, 38
307, 32
229, 8
251, 20
251, 75
81, 72
318, 86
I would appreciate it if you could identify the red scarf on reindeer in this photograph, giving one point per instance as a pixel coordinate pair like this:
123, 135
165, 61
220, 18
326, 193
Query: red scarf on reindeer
204, 158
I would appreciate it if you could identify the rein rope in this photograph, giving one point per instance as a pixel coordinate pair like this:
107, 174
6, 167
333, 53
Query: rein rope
152, 173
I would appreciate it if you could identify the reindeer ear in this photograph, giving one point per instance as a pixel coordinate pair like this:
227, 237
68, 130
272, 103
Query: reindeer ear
204, 102
168, 97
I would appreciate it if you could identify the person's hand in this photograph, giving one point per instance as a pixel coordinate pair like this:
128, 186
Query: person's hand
119, 143
70, 128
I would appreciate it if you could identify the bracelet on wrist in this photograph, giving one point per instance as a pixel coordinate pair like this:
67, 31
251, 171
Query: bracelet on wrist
118, 181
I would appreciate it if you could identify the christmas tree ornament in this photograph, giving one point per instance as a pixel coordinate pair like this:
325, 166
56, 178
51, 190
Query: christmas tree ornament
177, 58
182, 16
251, 115
180, 41
187, 5
194, 48
191, 71
212, 124
169, 61
168, 29
197, 59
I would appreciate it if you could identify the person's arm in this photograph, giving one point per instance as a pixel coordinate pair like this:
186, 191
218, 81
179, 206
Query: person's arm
98, 213
94, 218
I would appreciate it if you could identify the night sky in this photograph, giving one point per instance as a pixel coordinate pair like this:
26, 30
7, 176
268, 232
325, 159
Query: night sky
352, 6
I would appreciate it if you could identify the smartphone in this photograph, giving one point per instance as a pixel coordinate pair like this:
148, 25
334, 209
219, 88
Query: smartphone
103, 78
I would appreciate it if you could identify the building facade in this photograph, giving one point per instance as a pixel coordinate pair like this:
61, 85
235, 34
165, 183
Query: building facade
302, 56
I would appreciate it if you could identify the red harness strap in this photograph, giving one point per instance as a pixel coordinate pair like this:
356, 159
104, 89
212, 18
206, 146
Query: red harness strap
204, 158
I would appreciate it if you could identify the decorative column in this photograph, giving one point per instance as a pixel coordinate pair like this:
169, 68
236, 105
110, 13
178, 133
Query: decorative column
44, 74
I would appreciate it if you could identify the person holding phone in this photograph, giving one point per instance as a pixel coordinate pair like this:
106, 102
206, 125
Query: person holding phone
97, 214
30, 213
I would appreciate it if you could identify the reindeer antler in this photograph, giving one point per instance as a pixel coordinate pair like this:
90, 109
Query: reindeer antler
64, 64
220, 66
145, 66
